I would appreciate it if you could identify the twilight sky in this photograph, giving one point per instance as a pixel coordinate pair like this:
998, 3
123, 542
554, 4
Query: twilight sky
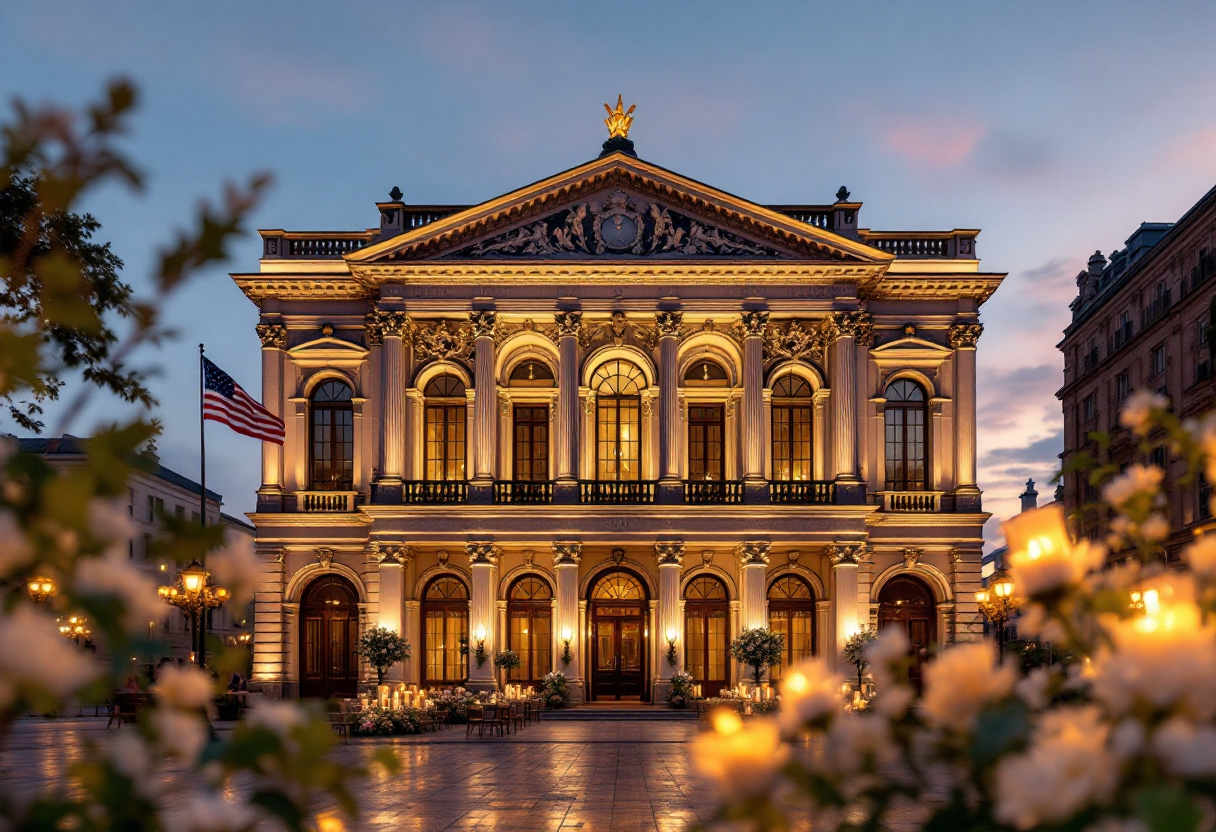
1054, 127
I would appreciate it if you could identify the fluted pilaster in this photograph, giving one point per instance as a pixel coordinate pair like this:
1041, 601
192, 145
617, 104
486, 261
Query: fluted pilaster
483, 562
670, 327
274, 342
485, 398
754, 325
566, 557
753, 556
964, 338
670, 557
393, 327
569, 324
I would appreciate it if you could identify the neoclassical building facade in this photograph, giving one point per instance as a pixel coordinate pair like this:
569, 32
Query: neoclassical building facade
609, 420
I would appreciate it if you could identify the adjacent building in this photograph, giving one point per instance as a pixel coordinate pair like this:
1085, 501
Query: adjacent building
1142, 320
613, 416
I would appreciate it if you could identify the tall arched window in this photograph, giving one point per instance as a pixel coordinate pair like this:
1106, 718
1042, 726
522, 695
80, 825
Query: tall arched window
706, 424
445, 630
332, 437
618, 425
529, 628
906, 417
791, 429
446, 420
706, 628
791, 612
530, 422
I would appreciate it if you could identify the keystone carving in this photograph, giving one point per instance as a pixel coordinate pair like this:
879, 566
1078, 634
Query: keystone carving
567, 554
273, 336
965, 335
751, 552
443, 340
707, 556
669, 552
325, 557
912, 557
793, 340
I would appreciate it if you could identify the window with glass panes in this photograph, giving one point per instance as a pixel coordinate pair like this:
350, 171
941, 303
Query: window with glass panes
706, 623
446, 423
905, 421
332, 437
791, 429
530, 628
445, 630
531, 432
791, 612
706, 441
618, 387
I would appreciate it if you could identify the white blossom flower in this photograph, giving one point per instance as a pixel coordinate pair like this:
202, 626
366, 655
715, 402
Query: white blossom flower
1032, 688
961, 681
1184, 748
742, 760
894, 700
213, 813
1201, 555
810, 691
183, 687
855, 738
1138, 408
114, 575
179, 734
33, 654
279, 716
15, 549
1155, 528
1066, 768
1136, 480
1127, 738
131, 757
236, 567
1038, 575
110, 522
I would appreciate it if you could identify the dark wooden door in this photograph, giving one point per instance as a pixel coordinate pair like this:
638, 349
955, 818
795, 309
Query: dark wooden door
619, 653
907, 603
329, 631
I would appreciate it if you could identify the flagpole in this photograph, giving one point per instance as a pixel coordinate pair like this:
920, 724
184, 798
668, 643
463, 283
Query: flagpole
201, 648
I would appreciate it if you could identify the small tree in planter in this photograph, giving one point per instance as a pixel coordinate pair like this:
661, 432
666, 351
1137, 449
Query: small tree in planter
679, 695
507, 660
382, 648
855, 650
557, 690
758, 648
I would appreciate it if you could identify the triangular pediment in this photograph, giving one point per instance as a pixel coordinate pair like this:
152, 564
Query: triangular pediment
325, 351
618, 208
910, 346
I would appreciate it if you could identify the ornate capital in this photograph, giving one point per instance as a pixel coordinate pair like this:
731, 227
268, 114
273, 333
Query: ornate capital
393, 553
669, 552
482, 553
669, 324
846, 553
857, 325
753, 552
965, 335
273, 336
390, 323
567, 554
483, 322
754, 324
568, 324
912, 557
325, 556
371, 326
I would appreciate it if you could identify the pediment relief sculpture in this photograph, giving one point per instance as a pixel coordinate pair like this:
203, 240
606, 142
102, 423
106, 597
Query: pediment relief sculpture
443, 340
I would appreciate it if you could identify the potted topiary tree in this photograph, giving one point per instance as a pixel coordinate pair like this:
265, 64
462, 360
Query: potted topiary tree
507, 660
855, 650
758, 648
382, 648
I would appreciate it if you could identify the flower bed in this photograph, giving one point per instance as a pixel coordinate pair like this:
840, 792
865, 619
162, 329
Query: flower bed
381, 722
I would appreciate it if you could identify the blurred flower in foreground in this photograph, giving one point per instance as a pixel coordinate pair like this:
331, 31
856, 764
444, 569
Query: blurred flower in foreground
742, 760
810, 692
34, 658
1138, 410
961, 681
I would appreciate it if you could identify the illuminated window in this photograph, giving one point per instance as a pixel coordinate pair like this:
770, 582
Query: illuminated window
446, 422
529, 634
905, 420
618, 387
705, 374
445, 630
618, 587
706, 622
791, 429
332, 437
531, 373
791, 612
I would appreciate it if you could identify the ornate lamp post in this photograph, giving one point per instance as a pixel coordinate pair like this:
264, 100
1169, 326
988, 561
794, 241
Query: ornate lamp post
194, 594
40, 589
76, 628
997, 604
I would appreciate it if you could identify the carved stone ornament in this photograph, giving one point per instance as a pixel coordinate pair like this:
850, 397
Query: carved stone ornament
280, 556
912, 557
647, 406
793, 556
371, 326
669, 552
444, 556
669, 324
853, 553
567, 554
965, 335
751, 552
754, 323
618, 329
392, 323
273, 336
857, 325
620, 224
567, 324
618, 556
792, 340
707, 557
394, 553
443, 340
529, 557
482, 553
325, 556
483, 323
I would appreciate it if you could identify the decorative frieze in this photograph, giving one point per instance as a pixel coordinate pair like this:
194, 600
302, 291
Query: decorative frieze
965, 335
846, 553
443, 340
752, 552
273, 336
483, 553
567, 553
793, 340
669, 552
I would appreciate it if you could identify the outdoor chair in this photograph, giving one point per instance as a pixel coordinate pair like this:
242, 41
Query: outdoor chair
494, 718
340, 724
515, 717
476, 716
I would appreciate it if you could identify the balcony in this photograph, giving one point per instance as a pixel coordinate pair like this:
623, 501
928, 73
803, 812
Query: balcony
1155, 310
911, 501
802, 492
533, 492
325, 501
698, 492
617, 492
431, 492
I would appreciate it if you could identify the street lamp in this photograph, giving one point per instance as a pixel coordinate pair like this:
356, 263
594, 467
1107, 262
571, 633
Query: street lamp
76, 628
997, 603
40, 589
194, 594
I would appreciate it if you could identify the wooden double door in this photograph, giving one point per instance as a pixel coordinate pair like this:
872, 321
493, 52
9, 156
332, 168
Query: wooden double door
329, 619
618, 652
907, 604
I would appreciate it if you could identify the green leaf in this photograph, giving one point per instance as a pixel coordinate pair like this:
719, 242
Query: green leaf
281, 806
1166, 809
999, 728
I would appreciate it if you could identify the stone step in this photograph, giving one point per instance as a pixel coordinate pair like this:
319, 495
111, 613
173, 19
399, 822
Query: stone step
596, 713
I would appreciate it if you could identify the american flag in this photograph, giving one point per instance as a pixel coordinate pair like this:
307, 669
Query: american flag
225, 401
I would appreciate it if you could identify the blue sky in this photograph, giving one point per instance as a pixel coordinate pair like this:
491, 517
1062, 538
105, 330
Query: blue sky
1056, 128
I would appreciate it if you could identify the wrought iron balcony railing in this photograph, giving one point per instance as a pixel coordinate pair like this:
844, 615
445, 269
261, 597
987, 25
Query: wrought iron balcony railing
805, 492
612, 492
712, 491
434, 491
523, 491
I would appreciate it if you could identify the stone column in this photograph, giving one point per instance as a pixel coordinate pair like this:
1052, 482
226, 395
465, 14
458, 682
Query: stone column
485, 408
754, 482
753, 561
845, 558
269, 633
670, 329
963, 339
412, 623
670, 557
566, 557
842, 330
393, 558
393, 327
274, 341
483, 562
569, 326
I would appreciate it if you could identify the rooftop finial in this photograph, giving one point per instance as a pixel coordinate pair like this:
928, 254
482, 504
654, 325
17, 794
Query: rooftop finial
619, 120
395, 194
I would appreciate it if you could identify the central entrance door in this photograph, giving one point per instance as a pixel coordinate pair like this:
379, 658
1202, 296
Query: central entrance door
330, 628
618, 654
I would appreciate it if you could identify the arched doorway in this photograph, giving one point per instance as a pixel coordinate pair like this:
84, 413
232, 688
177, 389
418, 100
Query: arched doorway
329, 613
618, 649
907, 603
530, 628
706, 633
445, 631
791, 612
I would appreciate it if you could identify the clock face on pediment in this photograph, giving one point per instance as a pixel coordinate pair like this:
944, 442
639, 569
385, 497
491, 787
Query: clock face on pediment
616, 223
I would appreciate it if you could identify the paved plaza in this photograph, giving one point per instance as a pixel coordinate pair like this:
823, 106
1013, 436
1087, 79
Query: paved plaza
606, 775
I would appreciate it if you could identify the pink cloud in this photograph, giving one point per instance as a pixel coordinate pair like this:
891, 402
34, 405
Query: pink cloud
935, 142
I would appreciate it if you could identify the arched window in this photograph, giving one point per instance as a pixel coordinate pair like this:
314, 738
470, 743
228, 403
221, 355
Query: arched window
906, 417
791, 612
792, 429
705, 373
618, 431
446, 420
445, 630
329, 614
530, 423
529, 628
618, 587
706, 626
332, 437
531, 373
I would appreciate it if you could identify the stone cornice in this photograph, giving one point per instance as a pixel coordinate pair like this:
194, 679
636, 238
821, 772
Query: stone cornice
978, 287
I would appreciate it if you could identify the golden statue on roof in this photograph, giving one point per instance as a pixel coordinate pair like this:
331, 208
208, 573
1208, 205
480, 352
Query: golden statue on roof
619, 120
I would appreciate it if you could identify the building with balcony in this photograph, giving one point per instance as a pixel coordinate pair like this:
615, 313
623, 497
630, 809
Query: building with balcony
1142, 320
613, 411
